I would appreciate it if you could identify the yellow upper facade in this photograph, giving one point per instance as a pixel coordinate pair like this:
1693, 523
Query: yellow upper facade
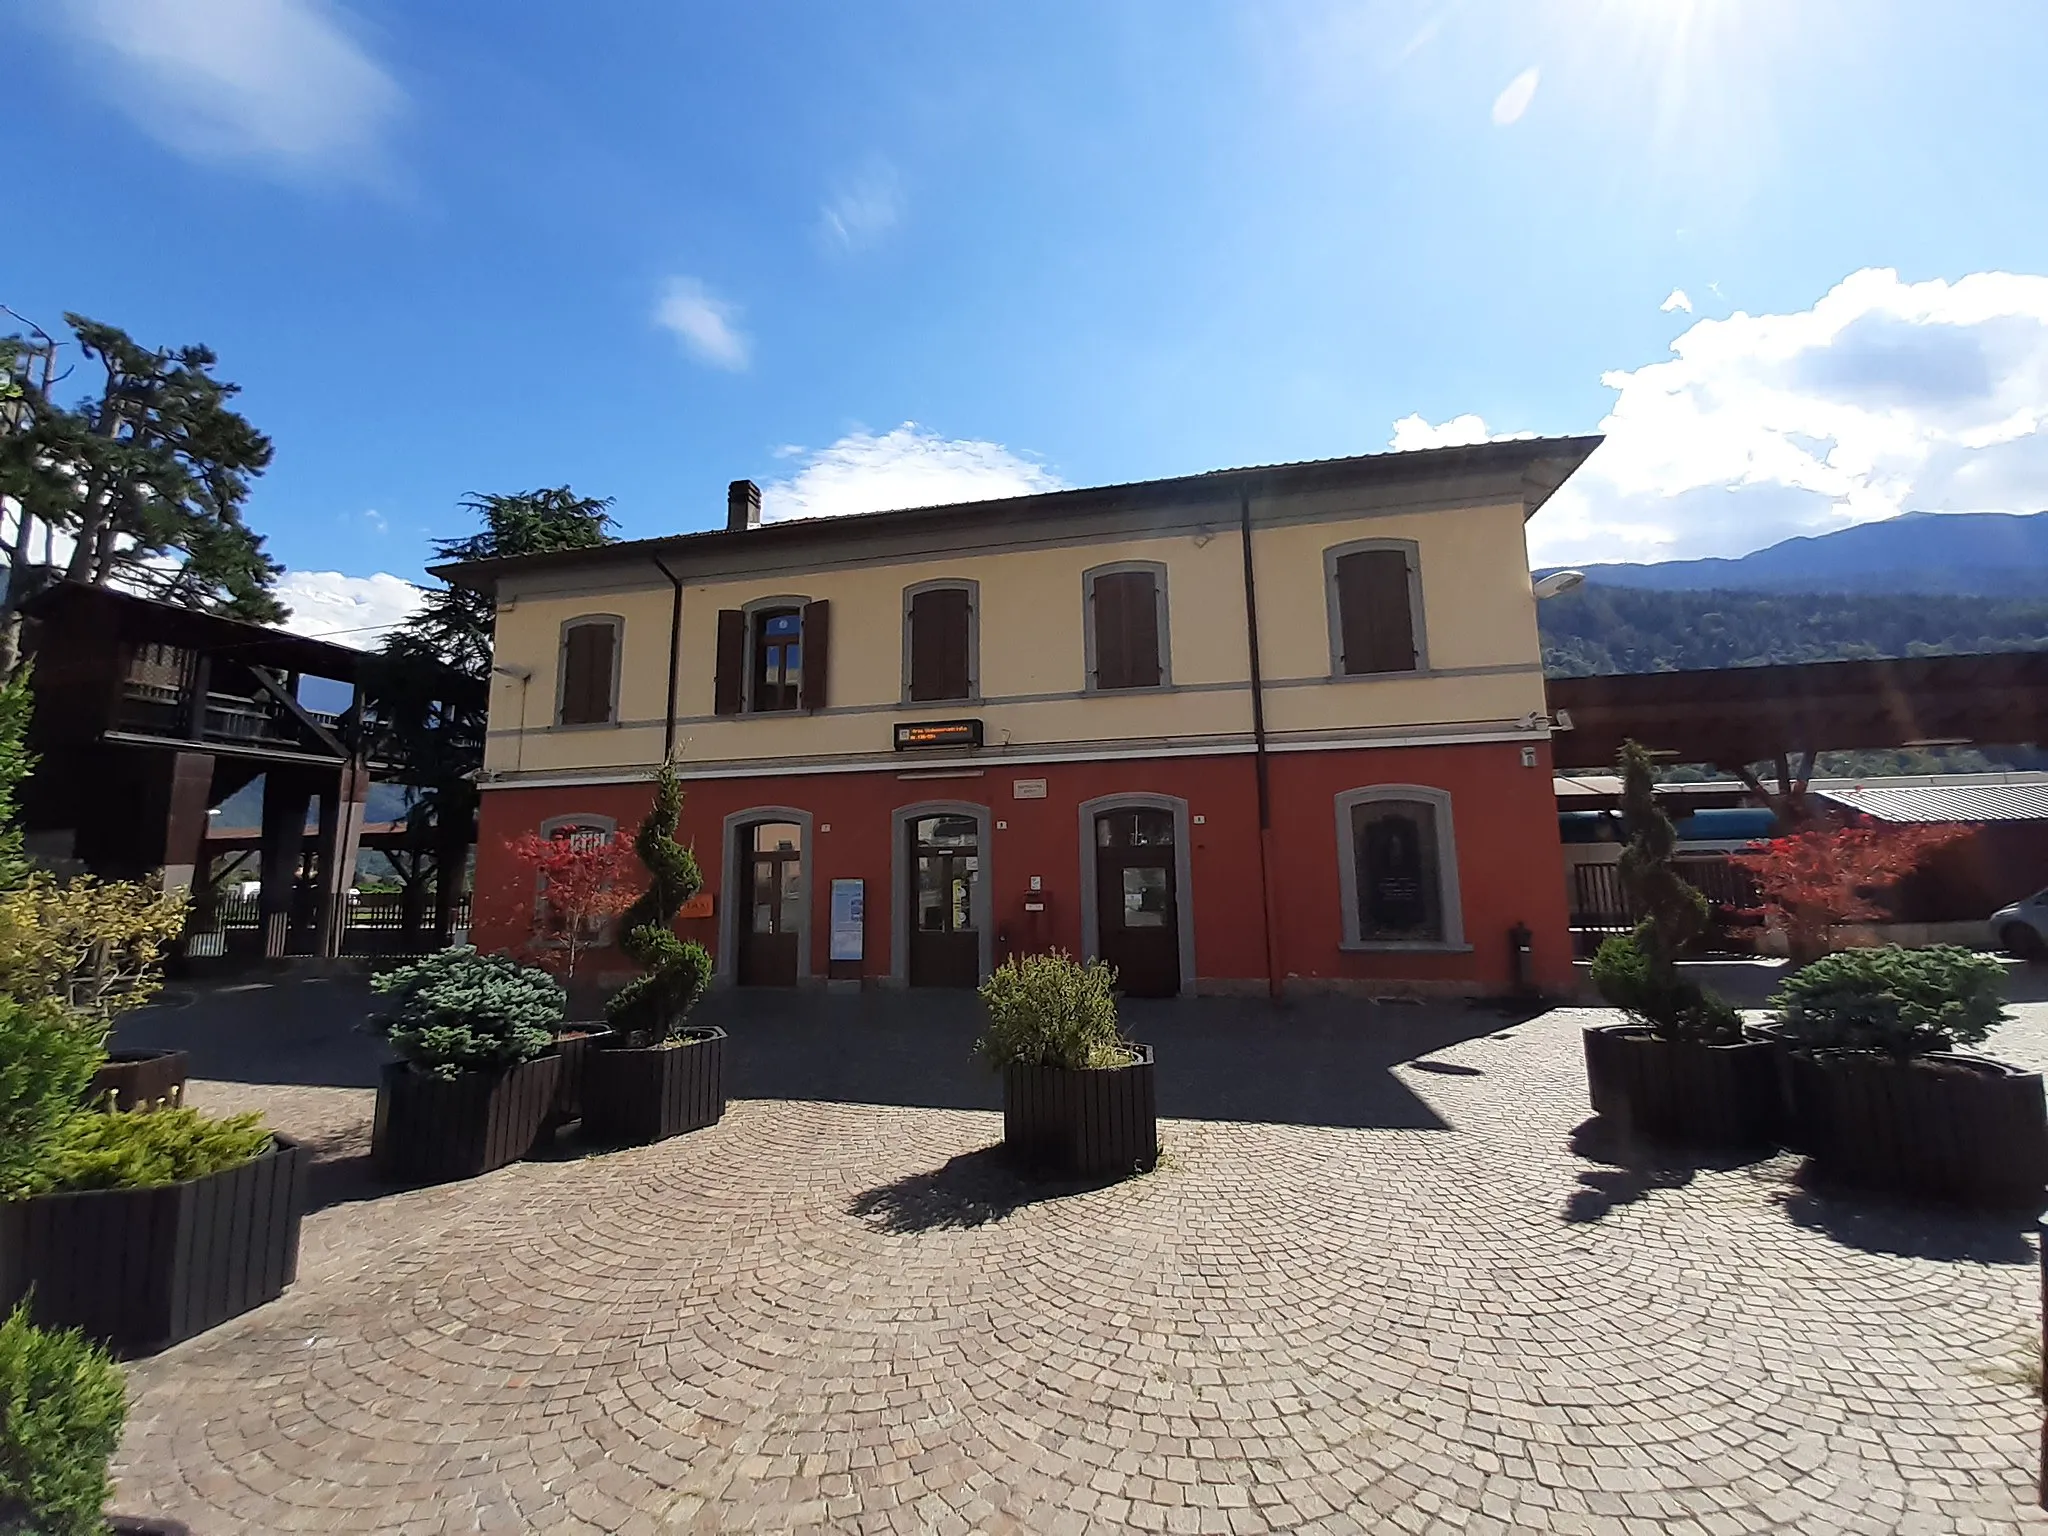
1453, 517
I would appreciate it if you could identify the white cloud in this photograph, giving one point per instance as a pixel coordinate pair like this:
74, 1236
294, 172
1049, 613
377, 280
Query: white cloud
862, 209
1412, 432
906, 467
704, 323
1678, 298
1515, 97
349, 610
281, 83
1883, 397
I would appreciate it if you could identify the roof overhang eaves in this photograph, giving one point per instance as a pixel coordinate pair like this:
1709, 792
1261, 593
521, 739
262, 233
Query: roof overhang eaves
1544, 463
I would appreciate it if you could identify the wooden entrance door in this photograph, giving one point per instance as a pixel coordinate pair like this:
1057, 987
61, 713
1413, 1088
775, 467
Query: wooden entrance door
1137, 908
945, 865
772, 856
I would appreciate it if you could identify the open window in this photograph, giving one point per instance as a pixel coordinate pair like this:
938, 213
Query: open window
587, 687
773, 656
1126, 616
939, 635
1399, 869
1375, 598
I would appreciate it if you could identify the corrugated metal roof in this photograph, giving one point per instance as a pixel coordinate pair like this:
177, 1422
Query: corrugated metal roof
1929, 802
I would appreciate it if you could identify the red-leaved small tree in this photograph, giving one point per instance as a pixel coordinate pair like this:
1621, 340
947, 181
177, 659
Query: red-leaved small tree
584, 880
1817, 880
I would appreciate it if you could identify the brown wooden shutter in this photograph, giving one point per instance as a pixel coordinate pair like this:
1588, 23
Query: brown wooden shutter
1376, 620
587, 675
939, 645
729, 689
816, 655
1127, 630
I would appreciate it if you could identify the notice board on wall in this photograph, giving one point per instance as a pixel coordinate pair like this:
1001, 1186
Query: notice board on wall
848, 931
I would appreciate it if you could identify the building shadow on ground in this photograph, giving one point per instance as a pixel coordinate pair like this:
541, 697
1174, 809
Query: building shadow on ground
970, 1190
1325, 1061
298, 1031
1319, 1061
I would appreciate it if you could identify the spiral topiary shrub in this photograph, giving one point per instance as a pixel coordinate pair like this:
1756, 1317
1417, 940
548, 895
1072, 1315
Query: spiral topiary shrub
650, 1009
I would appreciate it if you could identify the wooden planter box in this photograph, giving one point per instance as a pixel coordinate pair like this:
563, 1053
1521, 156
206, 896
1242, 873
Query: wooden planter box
140, 1269
136, 1078
631, 1094
1682, 1094
1082, 1122
429, 1130
1947, 1127
574, 1045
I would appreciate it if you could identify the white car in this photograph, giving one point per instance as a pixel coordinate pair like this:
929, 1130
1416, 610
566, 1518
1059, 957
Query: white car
2022, 928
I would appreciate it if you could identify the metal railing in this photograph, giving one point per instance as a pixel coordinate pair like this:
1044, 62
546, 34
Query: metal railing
375, 925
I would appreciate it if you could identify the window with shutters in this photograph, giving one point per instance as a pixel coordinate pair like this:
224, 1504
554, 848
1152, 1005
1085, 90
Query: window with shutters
1375, 598
773, 656
1398, 868
1126, 617
940, 632
587, 684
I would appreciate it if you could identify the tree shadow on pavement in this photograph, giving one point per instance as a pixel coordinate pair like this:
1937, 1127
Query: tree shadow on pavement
970, 1190
1862, 1220
1634, 1169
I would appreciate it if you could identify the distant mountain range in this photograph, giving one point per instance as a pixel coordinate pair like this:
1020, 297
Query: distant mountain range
1970, 554
243, 810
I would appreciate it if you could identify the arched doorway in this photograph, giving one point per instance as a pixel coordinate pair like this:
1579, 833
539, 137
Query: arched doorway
1136, 905
943, 930
765, 927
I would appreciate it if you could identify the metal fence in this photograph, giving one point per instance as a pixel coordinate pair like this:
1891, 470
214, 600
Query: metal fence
375, 925
1600, 905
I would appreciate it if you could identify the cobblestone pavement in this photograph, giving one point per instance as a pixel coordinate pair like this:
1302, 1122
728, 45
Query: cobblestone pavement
1418, 1310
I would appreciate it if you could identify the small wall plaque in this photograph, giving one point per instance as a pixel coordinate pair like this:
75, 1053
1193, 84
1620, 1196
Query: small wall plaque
1027, 789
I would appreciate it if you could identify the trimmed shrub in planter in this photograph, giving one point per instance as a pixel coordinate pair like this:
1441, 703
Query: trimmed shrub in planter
641, 1094
1078, 1099
157, 1226
431, 1129
1680, 1070
477, 1075
138, 1080
1877, 1098
62, 1402
1680, 1091
654, 1078
1085, 1122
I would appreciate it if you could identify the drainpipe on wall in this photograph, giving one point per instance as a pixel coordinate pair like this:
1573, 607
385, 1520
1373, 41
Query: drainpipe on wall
675, 659
1259, 766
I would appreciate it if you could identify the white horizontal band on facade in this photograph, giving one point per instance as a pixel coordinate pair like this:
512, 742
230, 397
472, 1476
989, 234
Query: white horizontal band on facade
896, 764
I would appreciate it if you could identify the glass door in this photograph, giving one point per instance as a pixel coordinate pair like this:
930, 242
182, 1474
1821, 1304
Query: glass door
1136, 905
945, 867
770, 927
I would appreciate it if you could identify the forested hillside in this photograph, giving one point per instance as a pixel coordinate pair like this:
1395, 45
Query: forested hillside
1601, 629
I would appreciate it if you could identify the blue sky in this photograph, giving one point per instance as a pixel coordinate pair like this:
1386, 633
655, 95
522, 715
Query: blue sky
645, 249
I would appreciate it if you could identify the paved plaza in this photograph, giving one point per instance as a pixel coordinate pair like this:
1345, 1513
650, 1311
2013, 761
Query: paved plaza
1385, 1279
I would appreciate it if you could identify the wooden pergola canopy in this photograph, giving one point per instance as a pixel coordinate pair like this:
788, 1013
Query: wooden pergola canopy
1738, 715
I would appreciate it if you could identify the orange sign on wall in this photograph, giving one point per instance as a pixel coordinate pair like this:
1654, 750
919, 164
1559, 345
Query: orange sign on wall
698, 905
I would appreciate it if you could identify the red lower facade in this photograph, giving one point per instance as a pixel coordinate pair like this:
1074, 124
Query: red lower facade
1228, 910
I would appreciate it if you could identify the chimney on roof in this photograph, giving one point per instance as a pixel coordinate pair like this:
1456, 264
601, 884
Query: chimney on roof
742, 506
